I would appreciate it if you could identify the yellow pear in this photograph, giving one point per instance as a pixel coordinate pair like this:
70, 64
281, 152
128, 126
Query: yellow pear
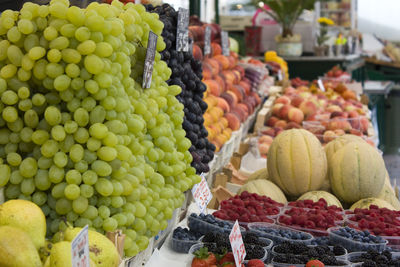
102, 251
27, 216
60, 256
17, 248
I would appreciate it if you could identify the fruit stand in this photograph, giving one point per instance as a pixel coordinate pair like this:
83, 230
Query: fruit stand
132, 135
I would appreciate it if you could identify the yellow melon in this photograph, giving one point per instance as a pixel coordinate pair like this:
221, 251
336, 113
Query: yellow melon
297, 162
264, 187
389, 196
339, 142
356, 171
316, 195
365, 203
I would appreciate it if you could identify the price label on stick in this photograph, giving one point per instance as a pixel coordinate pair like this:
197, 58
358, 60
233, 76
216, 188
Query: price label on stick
182, 31
149, 60
202, 194
321, 85
238, 249
207, 41
225, 43
80, 249
280, 78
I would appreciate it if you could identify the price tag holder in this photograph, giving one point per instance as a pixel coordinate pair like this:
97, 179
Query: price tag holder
225, 43
238, 249
80, 249
182, 31
207, 41
321, 85
202, 194
280, 78
149, 60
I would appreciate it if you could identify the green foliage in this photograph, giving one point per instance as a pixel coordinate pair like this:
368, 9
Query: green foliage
286, 12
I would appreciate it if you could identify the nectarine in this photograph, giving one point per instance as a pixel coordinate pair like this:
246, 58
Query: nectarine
295, 115
233, 120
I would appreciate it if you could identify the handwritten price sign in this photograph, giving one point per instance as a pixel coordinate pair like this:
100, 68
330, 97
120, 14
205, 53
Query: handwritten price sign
238, 250
80, 249
202, 194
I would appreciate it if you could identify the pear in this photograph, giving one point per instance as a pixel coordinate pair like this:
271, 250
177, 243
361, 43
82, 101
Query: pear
17, 248
102, 251
60, 256
27, 216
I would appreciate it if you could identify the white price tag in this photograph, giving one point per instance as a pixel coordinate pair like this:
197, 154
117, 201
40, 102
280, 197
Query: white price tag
207, 41
202, 194
238, 249
182, 31
321, 85
225, 43
80, 249
280, 78
149, 60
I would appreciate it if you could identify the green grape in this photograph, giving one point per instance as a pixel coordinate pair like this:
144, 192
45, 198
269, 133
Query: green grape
58, 133
87, 191
28, 167
72, 191
56, 174
12, 191
90, 213
14, 159
104, 212
81, 166
15, 177
39, 198
110, 224
86, 47
36, 53
72, 216
42, 180
104, 187
5, 173
58, 190
89, 177
73, 177
93, 64
63, 206
27, 186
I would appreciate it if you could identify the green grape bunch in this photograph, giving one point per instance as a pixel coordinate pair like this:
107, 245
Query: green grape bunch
79, 136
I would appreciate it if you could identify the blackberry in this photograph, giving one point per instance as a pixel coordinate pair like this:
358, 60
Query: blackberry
312, 253
381, 259
255, 252
328, 260
250, 238
339, 250
387, 254
209, 237
369, 263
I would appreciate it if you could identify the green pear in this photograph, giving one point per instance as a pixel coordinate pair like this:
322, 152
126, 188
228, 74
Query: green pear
60, 256
27, 216
102, 251
17, 248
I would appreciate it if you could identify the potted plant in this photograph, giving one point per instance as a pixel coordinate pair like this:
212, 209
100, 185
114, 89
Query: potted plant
321, 49
286, 13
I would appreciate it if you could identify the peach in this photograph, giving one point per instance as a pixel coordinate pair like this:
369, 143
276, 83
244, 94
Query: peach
333, 108
329, 136
208, 119
244, 108
269, 132
266, 139
340, 88
229, 76
283, 99
213, 87
339, 132
197, 52
353, 114
215, 65
276, 108
305, 95
348, 94
223, 104
364, 124
235, 99
216, 49
292, 125
221, 82
339, 124
339, 114
356, 132
289, 90
256, 97
296, 101
281, 124
284, 111
224, 122
228, 98
271, 121
233, 121
278, 130
207, 71
295, 115
223, 60
241, 70
263, 148
246, 86
308, 107
210, 133
240, 113
232, 62
238, 91
249, 105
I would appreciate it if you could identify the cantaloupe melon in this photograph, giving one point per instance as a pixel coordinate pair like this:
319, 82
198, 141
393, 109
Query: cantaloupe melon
297, 162
339, 142
260, 174
389, 196
365, 203
264, 187
356, 171
316, 195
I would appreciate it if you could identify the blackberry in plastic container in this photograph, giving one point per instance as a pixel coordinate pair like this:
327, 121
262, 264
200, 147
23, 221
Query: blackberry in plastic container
186, 73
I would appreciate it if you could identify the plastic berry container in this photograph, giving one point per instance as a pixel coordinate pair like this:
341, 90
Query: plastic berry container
340, 257
259, 228
278, 264
264, 258
182, 246
204, 227
353, 245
